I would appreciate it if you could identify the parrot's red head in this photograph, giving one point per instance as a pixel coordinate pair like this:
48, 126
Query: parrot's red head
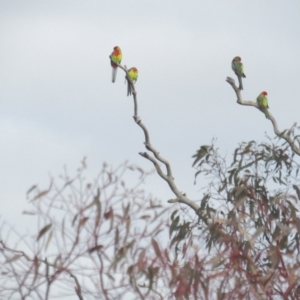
134, 70
237, 58
117, 50
264, 93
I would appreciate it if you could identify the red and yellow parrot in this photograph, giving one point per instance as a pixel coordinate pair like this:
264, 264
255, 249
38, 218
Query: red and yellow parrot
262, 102
238, 69
116, 57
133, 76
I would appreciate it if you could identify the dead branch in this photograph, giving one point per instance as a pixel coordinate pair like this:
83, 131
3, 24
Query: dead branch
280, 134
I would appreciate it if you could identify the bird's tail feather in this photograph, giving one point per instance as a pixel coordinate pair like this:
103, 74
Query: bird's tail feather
114, 74
128, 88
240, 82
267, 113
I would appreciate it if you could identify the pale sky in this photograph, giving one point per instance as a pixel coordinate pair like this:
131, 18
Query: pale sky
58, 103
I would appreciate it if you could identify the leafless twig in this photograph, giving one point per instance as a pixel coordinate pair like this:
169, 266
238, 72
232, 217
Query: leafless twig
168, 177
45, 261
280, 134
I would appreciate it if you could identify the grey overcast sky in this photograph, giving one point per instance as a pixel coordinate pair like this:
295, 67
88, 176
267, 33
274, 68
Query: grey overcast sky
58, 103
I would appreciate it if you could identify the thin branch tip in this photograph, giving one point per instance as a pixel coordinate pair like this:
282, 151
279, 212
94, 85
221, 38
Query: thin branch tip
230, 80
173, 200
279, 133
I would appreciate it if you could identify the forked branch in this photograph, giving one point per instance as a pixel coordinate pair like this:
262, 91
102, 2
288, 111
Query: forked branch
167, 176
286, 134
45, 261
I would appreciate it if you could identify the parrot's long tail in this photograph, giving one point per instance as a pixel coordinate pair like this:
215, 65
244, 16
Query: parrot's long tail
114, 74
240, 82
267, 113
128, 88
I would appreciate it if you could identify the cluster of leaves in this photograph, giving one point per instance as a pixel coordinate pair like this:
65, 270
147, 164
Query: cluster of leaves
108, 236
253, 237
99, 236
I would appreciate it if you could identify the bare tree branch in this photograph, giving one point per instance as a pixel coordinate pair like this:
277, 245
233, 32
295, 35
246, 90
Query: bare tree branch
280, 134
180, 197
45, 261
77, 287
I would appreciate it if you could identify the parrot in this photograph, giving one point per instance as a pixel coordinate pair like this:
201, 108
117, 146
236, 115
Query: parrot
116, 57
262, 102
238, 69
133, 76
